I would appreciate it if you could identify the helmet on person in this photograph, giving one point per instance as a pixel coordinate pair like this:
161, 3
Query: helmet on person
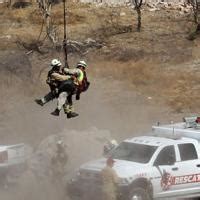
59, 142
82, 63
56, 62
109, 145
60, 145
113, 143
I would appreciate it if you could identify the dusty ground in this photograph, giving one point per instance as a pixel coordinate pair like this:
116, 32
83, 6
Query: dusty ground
137, 79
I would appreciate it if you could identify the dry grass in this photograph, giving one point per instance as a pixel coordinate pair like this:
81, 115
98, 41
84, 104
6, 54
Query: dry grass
75, 14
18, 15
147, 60
178, 88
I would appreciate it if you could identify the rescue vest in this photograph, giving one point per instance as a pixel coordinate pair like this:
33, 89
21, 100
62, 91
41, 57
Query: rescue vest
84, 83
80, 76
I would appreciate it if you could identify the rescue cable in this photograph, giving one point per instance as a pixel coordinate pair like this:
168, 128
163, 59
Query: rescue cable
65, 36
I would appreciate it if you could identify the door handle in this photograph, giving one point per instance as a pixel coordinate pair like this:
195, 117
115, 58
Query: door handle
198, 165
175, 168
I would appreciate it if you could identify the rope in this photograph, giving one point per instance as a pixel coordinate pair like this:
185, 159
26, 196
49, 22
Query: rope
65, 36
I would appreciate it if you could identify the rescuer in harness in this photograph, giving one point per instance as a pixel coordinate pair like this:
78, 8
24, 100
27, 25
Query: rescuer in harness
63, 84
77, 84
54, 78
81, 77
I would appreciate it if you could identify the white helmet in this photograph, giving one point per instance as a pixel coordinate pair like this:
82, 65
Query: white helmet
55, 62
82, 63
59, 142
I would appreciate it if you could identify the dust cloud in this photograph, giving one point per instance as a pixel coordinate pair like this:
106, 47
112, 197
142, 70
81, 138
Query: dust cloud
109, 109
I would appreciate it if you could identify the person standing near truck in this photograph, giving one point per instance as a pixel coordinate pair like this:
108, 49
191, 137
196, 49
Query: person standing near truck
109, 181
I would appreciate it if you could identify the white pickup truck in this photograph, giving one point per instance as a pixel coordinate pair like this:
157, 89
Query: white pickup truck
12, 159
163, 164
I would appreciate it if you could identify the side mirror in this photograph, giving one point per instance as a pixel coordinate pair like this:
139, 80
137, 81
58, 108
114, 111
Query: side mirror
109, 146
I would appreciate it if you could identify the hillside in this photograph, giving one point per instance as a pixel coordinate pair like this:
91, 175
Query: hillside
137, 79
159, 61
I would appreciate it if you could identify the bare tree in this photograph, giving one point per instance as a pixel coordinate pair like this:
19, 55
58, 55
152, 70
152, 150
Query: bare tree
45, 6
138, 5
196, 10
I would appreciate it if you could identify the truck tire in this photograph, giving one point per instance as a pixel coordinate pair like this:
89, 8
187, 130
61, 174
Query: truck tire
139, 194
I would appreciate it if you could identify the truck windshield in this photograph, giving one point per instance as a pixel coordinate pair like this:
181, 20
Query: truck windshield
134, 152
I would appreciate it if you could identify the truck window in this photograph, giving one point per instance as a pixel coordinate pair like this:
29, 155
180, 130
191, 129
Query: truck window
166, 156
187, 152
134, 152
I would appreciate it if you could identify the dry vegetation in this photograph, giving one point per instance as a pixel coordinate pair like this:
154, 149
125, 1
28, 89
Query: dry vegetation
158, 61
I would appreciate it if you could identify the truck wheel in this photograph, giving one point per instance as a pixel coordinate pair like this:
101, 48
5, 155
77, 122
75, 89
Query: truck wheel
139, 194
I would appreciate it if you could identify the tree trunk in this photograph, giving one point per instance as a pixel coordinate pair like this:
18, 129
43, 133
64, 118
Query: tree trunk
195, 17
45, 6
51, 32
137, 5
198, 28
139, 19
198, 17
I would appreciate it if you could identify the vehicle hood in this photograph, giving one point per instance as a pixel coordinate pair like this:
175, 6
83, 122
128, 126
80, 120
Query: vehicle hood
123, 168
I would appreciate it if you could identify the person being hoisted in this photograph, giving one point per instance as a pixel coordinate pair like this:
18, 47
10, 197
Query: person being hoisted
52, 81
54, 78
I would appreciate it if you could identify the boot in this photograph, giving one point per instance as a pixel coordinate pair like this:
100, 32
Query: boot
39, 102
72, 114
56, 112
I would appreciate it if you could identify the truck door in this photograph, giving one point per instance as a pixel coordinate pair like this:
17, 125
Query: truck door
181, 177
187, 177
163, 173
